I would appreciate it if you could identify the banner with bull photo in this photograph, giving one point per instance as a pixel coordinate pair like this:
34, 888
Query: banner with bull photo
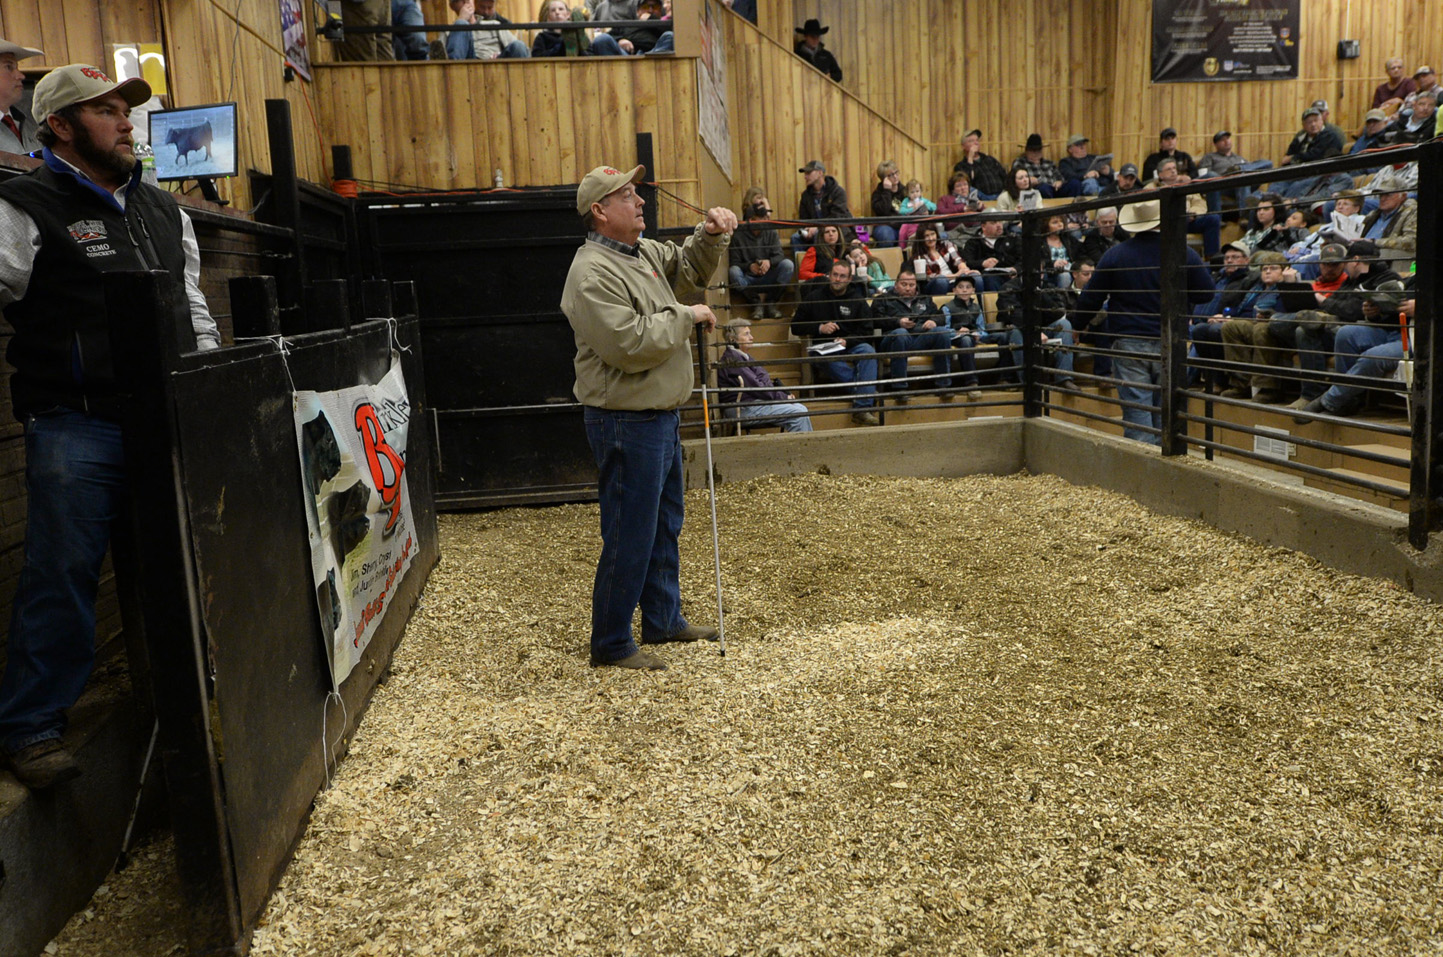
353, 464
1217, 41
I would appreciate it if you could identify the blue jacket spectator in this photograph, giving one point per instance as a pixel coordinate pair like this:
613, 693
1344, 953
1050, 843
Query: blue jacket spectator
409, 46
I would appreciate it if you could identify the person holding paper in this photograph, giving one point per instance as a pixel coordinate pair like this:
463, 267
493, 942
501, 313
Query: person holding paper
837, 318
1084, 173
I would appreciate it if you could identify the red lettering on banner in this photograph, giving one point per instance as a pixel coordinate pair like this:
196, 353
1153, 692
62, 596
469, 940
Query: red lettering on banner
373, 438
377, 605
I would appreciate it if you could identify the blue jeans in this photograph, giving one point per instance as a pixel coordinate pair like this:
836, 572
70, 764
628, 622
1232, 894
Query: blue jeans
1211, 227
1142, 375
1239, 194
770, 283
1354, 339
864, 370
884, 235
665, 43
789, 416
1013, 338
1207, 341
75, 479
1313, 348
1379, 362
604, 44
901, 340
1064, 356
638, 461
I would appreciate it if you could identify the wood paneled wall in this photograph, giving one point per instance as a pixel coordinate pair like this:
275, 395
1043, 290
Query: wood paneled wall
542, 122
1264, 115
802, 115
78, 31
1012, 67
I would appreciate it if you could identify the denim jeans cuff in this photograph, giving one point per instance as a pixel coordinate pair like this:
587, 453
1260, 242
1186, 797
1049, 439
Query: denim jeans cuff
16, 745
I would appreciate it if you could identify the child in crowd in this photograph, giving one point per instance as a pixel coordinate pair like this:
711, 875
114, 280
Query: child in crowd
915, 204
866, 268
963, 315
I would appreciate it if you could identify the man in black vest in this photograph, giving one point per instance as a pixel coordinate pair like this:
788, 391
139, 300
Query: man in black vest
62, 226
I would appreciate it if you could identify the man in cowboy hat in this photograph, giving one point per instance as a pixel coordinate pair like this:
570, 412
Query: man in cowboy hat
63, 226
810, 48
633, 371
17, 131
1128, 282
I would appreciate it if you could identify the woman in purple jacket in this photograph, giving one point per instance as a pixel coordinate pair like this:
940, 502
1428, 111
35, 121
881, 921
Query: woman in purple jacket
763, 399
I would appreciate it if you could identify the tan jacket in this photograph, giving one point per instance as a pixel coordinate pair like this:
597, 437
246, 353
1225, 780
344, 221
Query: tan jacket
632, 336
1399, 242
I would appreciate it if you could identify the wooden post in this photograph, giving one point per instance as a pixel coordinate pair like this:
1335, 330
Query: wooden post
141, 314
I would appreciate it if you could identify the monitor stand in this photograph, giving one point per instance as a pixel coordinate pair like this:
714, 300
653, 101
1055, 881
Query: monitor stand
208, 190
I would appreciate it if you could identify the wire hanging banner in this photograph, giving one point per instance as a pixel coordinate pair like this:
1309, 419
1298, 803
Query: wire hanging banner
1220, 41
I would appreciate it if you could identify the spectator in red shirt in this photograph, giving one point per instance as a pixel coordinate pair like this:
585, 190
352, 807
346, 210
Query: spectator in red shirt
1391, 93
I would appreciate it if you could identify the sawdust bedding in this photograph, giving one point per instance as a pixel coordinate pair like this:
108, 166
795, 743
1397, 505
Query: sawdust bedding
981, 716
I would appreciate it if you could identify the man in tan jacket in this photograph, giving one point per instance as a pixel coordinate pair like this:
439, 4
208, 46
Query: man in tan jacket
633, 370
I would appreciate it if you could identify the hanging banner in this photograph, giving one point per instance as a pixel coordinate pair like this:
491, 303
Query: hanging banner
1216, 41
711, 92
294, 38
353, 465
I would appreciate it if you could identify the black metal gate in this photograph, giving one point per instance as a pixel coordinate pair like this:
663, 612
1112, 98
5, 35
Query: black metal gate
489, 270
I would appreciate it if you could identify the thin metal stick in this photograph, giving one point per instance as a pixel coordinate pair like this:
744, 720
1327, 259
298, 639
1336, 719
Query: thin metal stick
711, 488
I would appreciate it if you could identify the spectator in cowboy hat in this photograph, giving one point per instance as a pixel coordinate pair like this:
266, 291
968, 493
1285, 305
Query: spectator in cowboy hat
810, 48
1128, 283
1046, 177
17, 131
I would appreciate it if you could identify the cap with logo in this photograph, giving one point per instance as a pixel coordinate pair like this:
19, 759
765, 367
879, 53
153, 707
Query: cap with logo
813, 166
1167, 131
602, 182
1320, 105
1221, 134
1311, 111
1128, 169
1333, 253
1375, 116
1422, 71
1077, 138
19, 52
81, 83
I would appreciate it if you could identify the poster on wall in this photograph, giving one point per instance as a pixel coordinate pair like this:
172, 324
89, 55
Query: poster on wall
352, 445
711, 92
294, 39
1217, 41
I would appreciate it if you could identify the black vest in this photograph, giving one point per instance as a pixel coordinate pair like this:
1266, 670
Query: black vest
61, 346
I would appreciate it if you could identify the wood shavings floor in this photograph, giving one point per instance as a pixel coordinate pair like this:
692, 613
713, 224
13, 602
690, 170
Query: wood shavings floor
981, 716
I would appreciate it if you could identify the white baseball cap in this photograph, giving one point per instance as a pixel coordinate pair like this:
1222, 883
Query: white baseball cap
80, 83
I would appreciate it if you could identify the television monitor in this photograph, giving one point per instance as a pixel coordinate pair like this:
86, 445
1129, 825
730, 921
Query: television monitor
196, 142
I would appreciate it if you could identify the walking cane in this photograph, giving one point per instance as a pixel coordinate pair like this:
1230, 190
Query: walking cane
711, 485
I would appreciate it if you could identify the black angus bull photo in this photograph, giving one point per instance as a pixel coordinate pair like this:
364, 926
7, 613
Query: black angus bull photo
189, 139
